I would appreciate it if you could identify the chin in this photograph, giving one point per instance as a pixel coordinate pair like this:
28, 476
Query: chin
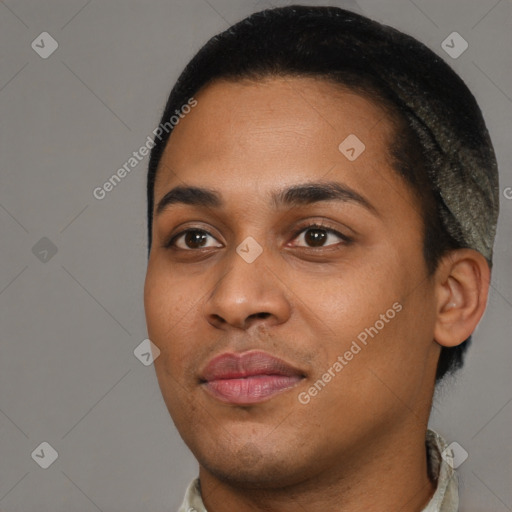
250, 468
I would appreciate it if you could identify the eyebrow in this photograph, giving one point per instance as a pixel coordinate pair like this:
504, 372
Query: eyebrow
294, 196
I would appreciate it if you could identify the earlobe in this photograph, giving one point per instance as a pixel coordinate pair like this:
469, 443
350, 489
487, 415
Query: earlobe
462, 287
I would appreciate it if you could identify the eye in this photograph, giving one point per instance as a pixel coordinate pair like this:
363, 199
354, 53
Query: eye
316, 235
192, 238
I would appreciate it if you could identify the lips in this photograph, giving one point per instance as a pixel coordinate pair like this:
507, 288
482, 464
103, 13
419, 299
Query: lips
248, 378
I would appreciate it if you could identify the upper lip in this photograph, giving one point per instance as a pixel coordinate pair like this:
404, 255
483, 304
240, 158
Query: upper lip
230, 365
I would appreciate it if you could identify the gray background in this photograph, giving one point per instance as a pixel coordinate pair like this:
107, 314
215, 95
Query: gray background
70, 322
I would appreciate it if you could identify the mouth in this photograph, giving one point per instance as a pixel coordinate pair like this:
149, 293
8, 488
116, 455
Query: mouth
248, 378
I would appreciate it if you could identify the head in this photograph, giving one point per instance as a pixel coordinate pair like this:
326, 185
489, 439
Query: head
396, 274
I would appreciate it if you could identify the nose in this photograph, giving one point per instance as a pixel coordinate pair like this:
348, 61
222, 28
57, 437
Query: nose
248, 294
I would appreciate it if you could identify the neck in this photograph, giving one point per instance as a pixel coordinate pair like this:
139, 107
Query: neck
389, 471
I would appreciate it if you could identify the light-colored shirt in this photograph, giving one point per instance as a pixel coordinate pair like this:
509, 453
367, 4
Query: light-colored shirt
445, 498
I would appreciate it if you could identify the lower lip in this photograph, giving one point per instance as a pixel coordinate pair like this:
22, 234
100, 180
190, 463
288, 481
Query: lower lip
250, 390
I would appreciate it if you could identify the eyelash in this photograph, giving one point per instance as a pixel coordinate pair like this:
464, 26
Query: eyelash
317, 225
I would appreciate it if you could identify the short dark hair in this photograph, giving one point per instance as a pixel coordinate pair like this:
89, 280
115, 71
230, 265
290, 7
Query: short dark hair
364, 56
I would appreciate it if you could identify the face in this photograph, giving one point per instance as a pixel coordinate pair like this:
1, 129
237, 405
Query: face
309, 251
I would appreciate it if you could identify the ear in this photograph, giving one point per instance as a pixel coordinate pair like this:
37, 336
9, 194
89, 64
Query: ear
462, 287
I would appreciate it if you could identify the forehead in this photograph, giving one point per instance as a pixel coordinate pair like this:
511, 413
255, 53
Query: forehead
277, 132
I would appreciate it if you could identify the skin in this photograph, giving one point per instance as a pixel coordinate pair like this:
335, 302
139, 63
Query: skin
359, 443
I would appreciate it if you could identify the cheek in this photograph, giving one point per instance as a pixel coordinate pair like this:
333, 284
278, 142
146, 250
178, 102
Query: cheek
171, 315
385, 362
371, 317
352, 300
167, 302
170, 318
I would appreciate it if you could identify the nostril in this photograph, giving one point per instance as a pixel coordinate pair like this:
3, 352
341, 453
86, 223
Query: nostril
261, 315
218, 319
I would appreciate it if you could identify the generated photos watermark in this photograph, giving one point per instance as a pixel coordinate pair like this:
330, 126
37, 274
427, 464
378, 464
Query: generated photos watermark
355, 348
137, 156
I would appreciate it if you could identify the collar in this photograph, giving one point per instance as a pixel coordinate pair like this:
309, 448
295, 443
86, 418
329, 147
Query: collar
444, 499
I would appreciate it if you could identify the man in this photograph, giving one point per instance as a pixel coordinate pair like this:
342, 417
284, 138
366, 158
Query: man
321, 225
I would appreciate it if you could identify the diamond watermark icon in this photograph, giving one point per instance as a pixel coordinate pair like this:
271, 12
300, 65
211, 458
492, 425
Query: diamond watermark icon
352, 147
146, 352
45, 455
44, 249
44, 45
454, 454
249, 249
454, 45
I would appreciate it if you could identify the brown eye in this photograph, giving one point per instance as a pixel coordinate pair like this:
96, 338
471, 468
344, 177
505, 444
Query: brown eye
192, 238
317, 236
